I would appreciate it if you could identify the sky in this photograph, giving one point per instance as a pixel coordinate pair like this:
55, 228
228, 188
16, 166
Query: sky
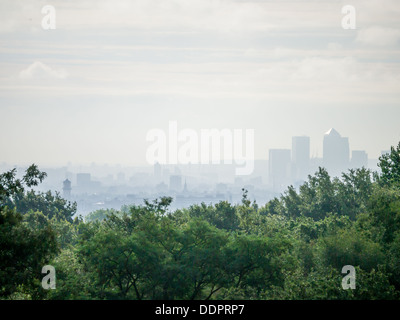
91, 89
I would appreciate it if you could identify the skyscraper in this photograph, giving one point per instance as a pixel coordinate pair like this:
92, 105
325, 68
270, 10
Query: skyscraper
83, 180
336, 152
157, 171
175, 183
279, 168
359, 159
301, 157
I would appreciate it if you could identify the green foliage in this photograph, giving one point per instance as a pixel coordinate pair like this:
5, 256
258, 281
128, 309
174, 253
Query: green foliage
348, 247
11, 186
390, 166
223, 215
73, 282
321, 196
318, 284
384, 210
99, 215
24, 251
47, 203
29, 238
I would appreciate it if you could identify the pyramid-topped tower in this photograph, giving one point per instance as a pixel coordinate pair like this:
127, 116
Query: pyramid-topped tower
336, 152
333, 133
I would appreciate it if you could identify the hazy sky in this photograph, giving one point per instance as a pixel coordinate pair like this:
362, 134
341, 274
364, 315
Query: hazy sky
90, 90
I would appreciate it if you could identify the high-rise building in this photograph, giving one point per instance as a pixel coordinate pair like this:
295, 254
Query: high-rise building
84, 183
121, 177
359, 159
157, 171
83, 180
301, 157
175, 183
279, 168
336, 153
185, 189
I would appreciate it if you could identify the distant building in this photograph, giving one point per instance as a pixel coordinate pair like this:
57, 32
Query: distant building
221, 187
121, 177
86, 184
175, 183
157, 171
279, 168
67, 189
185, 189
162, 188
140, 179
83, 180
301, 157
165, 173
336, 153
359, 159
238, 181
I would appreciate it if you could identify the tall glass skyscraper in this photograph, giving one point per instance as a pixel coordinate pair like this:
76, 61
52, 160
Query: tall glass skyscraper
300, 157
336, 152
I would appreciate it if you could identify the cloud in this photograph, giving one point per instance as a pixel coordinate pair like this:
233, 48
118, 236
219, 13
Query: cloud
379, 36
334, 46
39, 70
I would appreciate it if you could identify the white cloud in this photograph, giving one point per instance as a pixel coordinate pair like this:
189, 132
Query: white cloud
39, 70
334, 46
379, 36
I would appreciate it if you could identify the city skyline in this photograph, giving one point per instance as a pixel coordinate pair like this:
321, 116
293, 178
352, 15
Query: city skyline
103, 186
316, 153
300, 154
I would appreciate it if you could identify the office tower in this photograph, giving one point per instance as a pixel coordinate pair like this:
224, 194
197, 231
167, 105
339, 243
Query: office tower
185, 189
67, 189
359, 159
157, 171
83, 180
279, 168
121, 177
301, 157
175, 183
336, 153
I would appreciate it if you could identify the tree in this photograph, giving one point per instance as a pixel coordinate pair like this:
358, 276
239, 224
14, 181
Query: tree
47, 203
390, 167
349, 247
122, 263
384, 210
10, 186
25, 248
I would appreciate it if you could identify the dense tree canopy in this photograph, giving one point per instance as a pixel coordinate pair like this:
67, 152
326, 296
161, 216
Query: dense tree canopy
25, 247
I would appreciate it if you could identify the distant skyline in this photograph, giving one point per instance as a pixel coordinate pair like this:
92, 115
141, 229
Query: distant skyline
90, 90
